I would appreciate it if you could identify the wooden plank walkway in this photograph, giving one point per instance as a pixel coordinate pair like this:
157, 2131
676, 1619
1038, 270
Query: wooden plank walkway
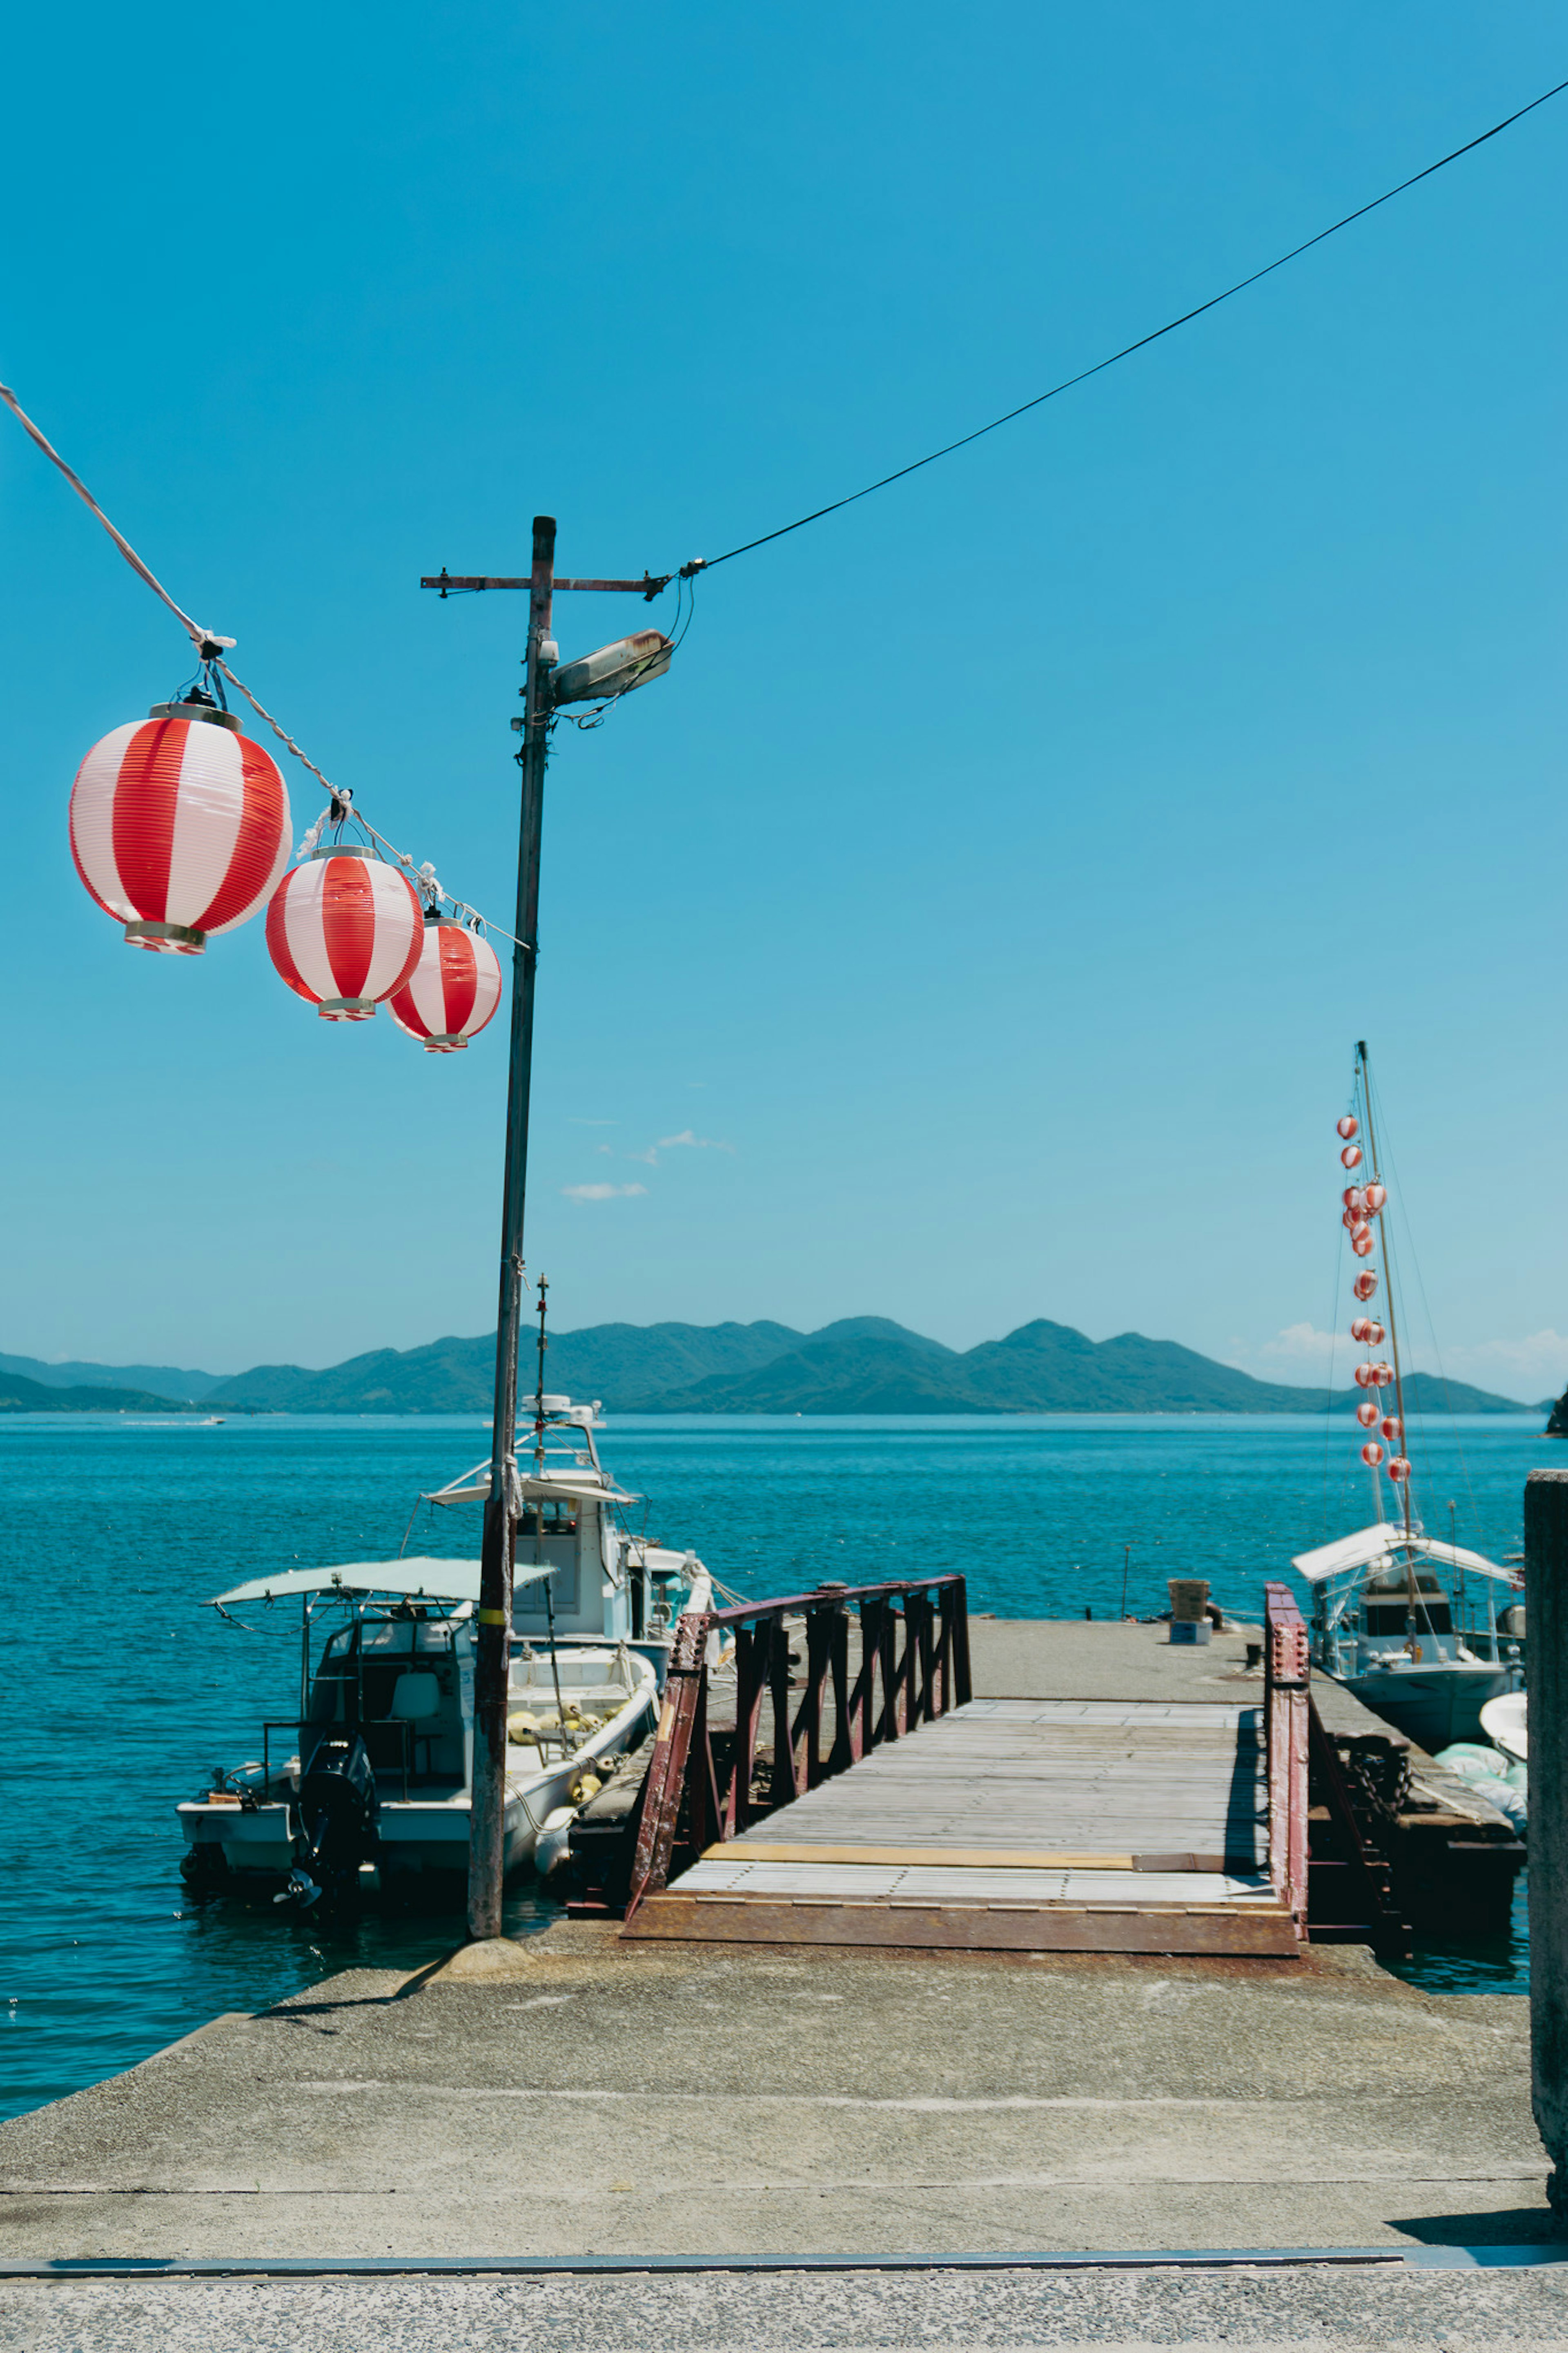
1092, 1825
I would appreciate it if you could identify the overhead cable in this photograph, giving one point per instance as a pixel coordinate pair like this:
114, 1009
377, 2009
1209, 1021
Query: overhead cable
1142, 341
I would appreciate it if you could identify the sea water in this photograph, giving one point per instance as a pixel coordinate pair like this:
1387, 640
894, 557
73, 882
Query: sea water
123, 1689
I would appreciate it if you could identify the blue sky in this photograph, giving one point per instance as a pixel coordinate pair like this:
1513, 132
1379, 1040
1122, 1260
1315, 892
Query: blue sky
997, 884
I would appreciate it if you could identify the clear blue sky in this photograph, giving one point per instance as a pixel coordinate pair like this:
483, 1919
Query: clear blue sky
1008, 866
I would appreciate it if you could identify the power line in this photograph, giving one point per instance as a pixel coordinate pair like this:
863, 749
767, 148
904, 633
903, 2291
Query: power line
1143, 341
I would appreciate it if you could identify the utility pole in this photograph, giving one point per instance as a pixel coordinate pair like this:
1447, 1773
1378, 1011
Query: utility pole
492, 1644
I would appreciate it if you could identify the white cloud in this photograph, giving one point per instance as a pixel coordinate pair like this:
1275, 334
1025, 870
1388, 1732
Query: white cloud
650, 1155
698, 1142
1529, 1368
601, 1192
608, 1149
1300, 1341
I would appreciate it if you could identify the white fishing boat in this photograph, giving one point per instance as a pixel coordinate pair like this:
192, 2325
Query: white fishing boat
369, 1788
1394, 1617
1385, 1624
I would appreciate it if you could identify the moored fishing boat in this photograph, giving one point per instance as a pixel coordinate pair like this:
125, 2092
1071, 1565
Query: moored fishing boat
370, 1787
1393, 1616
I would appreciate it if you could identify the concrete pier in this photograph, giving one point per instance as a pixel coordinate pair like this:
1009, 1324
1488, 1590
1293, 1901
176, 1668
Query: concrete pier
578, 2095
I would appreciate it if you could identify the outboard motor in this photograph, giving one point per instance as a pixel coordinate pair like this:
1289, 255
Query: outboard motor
339, 1809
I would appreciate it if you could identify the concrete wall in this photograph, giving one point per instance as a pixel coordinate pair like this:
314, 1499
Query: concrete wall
1546, 1680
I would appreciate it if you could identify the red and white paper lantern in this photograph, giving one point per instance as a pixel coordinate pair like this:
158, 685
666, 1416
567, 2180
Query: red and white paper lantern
1371, 1453
179, 827
1366, 1284
454, 989
344, 931
1367, 1414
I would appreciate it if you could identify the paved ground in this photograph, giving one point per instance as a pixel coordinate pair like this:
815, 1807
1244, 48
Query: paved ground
1075, 1657
1334, 2311
605, 2098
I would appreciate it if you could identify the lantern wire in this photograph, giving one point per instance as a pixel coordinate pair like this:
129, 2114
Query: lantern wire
211, 648
1142, 341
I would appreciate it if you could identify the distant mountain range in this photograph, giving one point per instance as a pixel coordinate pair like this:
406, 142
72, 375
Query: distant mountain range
862, 1364
18, 1395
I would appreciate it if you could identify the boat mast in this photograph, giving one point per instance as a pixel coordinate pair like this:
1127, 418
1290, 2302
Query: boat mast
1415, 1608
1364, 1071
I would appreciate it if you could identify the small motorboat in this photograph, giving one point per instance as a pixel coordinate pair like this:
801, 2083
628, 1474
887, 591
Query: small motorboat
369, 1788
1505, 1723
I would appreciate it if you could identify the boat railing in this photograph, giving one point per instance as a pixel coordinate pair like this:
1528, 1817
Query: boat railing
1287, 1718
701, 1785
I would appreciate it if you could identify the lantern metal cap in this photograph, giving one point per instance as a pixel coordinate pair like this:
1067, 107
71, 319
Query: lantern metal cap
207, 711
343, 850
167, 939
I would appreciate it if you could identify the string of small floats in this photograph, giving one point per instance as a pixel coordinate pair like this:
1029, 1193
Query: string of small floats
1365, 1199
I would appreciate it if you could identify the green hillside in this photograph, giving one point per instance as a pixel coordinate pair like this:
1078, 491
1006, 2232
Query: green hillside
863, 1363
18, 1395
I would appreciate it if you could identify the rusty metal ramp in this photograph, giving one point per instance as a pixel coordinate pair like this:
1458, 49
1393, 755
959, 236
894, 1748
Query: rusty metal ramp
1009, 1824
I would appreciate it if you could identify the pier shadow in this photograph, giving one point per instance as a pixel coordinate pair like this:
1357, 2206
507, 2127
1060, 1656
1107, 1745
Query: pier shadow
1504, 2226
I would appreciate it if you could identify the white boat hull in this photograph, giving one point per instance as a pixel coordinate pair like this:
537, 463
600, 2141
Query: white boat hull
422, 1836
1431, 1705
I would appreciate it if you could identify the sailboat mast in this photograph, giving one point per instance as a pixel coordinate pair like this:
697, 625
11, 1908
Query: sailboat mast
1363, 1066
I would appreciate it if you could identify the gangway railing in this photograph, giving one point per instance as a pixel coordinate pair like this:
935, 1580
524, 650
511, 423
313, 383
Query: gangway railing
1287, 1704
700, 1785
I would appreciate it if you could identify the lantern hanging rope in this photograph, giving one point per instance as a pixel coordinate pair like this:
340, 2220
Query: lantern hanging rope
210, 650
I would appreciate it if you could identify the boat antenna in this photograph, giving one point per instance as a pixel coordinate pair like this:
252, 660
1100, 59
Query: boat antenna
1363, 1075
538, 1513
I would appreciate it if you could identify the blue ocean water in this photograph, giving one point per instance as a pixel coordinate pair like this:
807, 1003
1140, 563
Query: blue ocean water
125, 1689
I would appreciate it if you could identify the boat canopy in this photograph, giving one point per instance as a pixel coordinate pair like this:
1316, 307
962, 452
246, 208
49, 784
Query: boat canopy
1377, 1543
427, 1580
474, 1487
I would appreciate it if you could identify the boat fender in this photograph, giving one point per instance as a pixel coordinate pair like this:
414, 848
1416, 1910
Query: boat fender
552, 1844
586, 1786
523, 1726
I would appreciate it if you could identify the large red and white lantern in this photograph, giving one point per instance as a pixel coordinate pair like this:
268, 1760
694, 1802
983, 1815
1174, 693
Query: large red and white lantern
454, 989
344, 931
179, 827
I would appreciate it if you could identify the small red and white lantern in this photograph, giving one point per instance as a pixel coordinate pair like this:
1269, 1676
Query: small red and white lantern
1350, 1157
454, 989
1399, 1467
1362, 1376
1364, 1244
1361, 1328
1393, 1429
1367, 1414
1366, 1284
1376, 1195
1354, 1198
179, 827
345, 929
1371, 1453
1347, 1127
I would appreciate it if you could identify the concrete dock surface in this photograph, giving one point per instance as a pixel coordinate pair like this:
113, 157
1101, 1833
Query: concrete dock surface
575, 2094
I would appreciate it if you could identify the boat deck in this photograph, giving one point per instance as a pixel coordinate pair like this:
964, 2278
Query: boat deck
1032, 1824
